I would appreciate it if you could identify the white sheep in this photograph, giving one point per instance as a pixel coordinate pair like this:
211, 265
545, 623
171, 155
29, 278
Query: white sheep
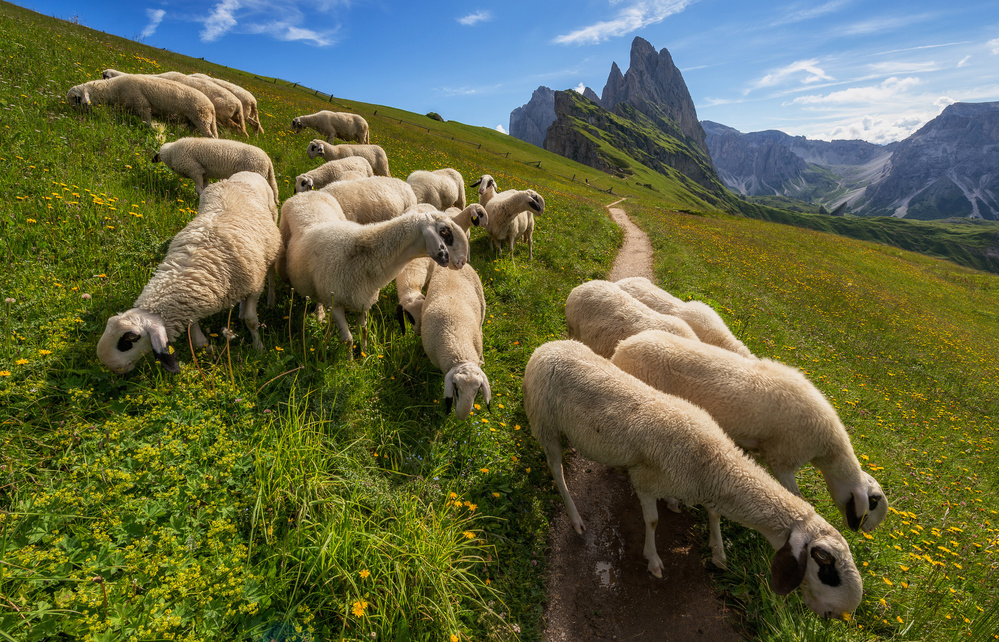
442, 188
600, 313
672, 448
202, 158
510, 214
415, 277
301, 211
344, 264
148, 95
369, 200
247, 99
344, 169
762, 405
223, 256
335, 124
374, 154
453, 314
701, 317
228, 108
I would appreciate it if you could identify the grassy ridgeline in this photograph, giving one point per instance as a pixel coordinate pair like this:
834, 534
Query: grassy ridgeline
299, 489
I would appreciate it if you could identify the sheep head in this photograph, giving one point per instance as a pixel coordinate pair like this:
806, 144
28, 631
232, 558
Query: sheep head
316, 149
863, 504
111, 73
479, 215
816, 557
484, 183
296, 124
446, 243
79, 96
303, 183
130, 335
461, 385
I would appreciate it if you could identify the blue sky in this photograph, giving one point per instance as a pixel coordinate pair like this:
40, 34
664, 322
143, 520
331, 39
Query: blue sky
823, 69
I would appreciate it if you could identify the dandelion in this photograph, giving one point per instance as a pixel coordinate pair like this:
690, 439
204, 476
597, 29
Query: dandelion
453, 495
483, 470
21, 362
4, 373
359, 607
44, 352
469, 535
454, 638
364, 573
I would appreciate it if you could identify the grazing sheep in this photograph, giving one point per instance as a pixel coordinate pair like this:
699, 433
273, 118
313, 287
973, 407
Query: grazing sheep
372, 153
148, 95
701, 317
222, 256
415, 277
247, 99
228, 108
763, 405
599, 313
301, 211
673, 448
345, 169
344, 264
201, 159
510, 215
442, 188
453, 314
374, 199
335, 124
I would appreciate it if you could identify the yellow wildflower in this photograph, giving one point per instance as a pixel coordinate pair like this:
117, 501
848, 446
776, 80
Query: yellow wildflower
359, 608
364, 573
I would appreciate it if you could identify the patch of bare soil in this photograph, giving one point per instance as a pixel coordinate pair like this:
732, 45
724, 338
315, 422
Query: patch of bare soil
598, 583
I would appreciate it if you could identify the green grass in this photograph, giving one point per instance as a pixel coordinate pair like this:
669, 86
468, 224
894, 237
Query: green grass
307, 492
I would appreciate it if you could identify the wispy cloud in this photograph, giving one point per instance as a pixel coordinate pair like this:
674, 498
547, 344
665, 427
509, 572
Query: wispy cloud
994, 45
963, 62
897, 67
809, 68
630, 18
887, 23
221, 20
290, 32
888, 90
155, 18
801, 13
942, 44
474, 18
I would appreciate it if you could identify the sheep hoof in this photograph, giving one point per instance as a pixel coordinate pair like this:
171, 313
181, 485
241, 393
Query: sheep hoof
656, 567
719, 562
580, 528
673, 504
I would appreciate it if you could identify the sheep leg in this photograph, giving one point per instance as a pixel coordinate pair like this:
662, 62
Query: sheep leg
715, 540
340, 318
673, 504
787, 480
248, 313
553, 451
198, 339
363, 322
199, 183
651, 514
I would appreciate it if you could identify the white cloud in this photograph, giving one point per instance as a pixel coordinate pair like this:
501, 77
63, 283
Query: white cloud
879, 129
501, 129
478, 16
963, 62
155, 18
993, 45
580, 88
220, 21
801, 13
813, 74
628, 19
891, 23
889, 90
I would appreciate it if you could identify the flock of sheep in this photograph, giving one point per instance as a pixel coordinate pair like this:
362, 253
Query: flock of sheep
349, 230
662, 387
648, 382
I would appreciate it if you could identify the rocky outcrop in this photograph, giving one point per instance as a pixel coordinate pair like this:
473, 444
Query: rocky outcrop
530, 122
948, 168
655, 87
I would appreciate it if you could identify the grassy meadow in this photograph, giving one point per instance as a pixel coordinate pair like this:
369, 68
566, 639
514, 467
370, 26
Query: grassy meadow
314, 492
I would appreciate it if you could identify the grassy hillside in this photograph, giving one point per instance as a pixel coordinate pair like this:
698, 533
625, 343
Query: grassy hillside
311, 492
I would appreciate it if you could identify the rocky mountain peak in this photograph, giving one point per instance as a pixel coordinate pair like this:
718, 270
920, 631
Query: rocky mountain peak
530, 122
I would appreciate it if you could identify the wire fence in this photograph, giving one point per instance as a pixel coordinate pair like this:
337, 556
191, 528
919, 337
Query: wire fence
479, 146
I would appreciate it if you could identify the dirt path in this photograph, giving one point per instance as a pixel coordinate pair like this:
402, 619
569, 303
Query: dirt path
598, 584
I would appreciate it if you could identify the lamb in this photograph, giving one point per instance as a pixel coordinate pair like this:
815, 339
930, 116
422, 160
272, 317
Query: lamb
672, 447
335, 124
374, 199
300, 212
510, 215
372, 153
345, 169
228, 108
600, 313
247, 99
453, 314
201, 159
148, 95
415, 277
765, 405
222, 256
701, 317
344, 264
442, 188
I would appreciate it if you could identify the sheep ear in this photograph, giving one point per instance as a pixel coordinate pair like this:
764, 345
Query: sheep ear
449, 392
161, 349
856, 511
787, 569
535, 203
487, 395
127, 341
476, 183
826, 561
156, 157
400, 314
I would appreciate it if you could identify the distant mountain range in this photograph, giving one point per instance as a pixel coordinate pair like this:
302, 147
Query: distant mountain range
947, 169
